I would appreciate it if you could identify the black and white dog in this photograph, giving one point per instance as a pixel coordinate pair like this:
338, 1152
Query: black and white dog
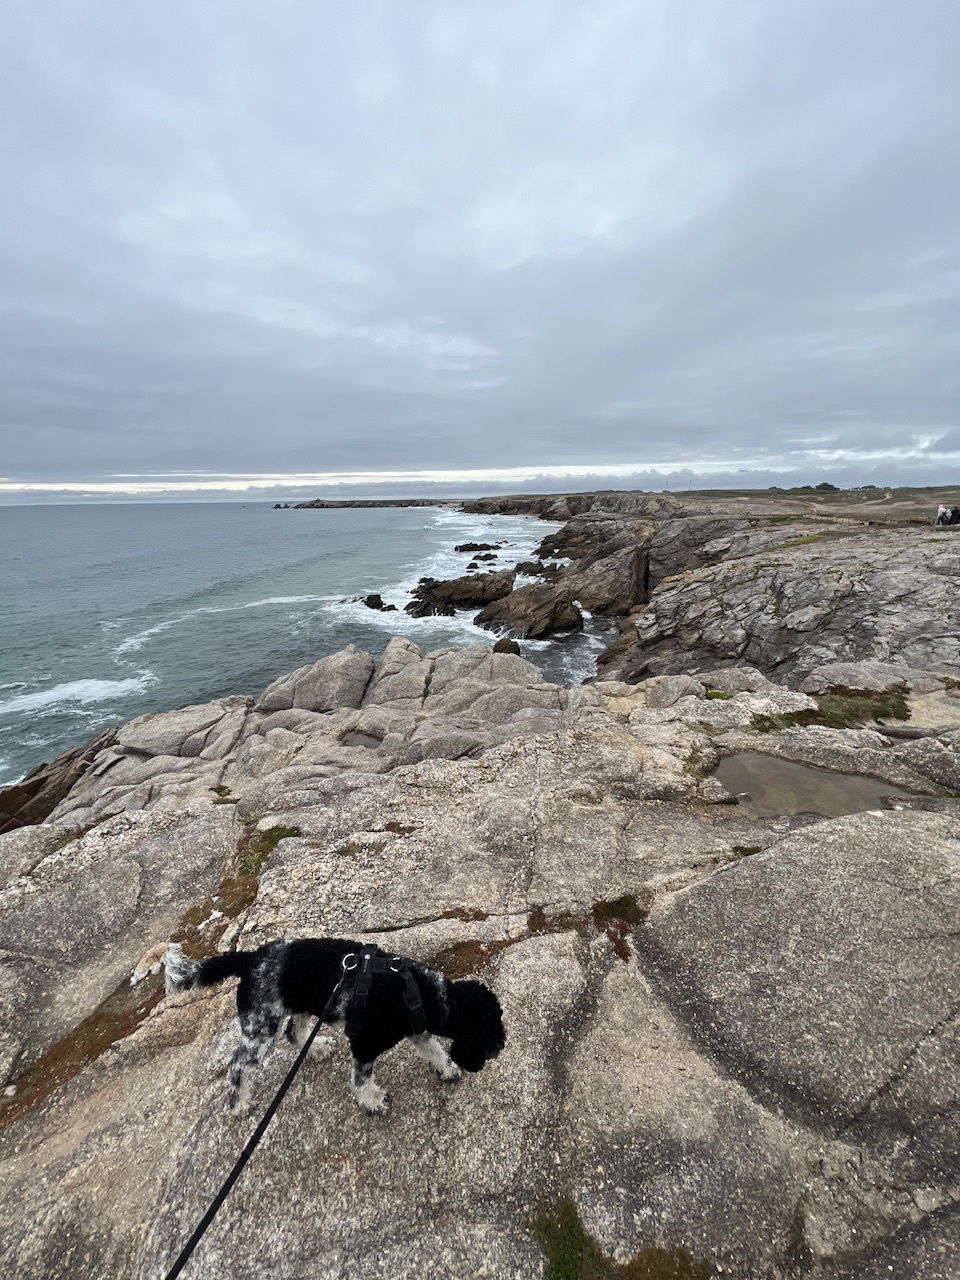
287, 984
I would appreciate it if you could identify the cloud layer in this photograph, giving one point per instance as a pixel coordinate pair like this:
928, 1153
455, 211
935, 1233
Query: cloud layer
289, 239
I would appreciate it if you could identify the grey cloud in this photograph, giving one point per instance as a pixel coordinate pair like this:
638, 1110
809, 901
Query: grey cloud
277, 237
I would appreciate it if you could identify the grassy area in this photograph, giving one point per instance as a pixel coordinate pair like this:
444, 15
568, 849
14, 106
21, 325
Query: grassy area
254, 848
849, 709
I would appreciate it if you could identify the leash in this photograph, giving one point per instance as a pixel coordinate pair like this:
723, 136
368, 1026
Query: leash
253, 1142
364, 969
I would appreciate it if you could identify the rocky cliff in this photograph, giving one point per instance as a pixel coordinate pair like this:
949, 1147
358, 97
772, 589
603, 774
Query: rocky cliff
733, 1012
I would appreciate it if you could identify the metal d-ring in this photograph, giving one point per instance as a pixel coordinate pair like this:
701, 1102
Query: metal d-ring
349, 968
396, 964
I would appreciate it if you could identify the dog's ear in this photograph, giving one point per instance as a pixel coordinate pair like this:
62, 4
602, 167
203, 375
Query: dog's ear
475, 1024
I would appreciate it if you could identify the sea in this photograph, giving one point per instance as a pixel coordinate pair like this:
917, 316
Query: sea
111, 611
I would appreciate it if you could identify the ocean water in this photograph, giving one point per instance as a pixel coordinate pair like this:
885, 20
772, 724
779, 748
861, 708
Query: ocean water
109, 612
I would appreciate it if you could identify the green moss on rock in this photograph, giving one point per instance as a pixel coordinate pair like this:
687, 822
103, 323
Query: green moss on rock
572, 1253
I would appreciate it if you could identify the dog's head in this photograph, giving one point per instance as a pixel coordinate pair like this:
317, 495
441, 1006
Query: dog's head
475, 1023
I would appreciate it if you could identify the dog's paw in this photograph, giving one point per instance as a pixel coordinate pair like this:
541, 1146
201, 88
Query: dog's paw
449, 1072
321, 1049
373, 1100
238, 1104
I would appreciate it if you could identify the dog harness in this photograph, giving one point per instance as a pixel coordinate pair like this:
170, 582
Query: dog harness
358, 971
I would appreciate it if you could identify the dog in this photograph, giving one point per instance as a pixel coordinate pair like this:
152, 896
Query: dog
289, 983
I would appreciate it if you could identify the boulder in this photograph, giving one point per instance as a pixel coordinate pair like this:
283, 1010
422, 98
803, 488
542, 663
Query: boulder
434, 596
736, 680
209, 730
869, 677
505, 645
337, 681
531, 612
375, 601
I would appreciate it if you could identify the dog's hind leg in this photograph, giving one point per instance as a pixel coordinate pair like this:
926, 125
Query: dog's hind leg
258, 1031
299, 1026
369, 1095
433, 1053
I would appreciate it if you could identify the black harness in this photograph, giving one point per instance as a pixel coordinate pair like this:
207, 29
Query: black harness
358, 971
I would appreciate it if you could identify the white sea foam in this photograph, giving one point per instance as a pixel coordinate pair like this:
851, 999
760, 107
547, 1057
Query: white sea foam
132, 644
83, 691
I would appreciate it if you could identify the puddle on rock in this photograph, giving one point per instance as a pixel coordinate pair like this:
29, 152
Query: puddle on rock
778, 788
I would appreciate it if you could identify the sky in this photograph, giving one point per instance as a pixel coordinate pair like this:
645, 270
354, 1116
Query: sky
289, 247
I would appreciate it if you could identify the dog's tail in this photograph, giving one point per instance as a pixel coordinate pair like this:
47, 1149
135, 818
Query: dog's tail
181, 973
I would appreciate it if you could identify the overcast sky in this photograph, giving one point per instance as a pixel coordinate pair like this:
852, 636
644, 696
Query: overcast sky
290, 238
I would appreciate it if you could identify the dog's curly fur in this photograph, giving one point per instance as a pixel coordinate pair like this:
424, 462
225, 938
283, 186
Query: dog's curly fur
285, 984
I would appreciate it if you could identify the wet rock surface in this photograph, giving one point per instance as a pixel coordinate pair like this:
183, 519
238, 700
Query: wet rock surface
435, 596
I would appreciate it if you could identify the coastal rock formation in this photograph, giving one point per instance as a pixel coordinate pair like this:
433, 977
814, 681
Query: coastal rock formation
554, 506
806, 603
696, 540
343, 713
732, 1039
434, 596
698, 1058
73, 922
610, 585
375, 601
34, 797
331, 683
531, 612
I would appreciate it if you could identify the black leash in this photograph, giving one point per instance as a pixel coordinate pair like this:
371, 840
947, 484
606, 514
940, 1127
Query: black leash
364, 969
249, 1149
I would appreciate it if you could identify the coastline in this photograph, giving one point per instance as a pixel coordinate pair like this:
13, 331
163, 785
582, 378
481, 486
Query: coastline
764, 783
119, 657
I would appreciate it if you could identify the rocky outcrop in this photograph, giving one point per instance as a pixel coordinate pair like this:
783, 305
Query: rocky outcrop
552, 506
375, 601
531, 612
34, 797
335, 504
808, 602
436, 596
327, 685
679, 545
74, 919
596, 535
345, 713
728, 1039
610, 585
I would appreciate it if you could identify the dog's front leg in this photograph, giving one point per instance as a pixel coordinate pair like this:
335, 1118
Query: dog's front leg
435, 1055
369, 1095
